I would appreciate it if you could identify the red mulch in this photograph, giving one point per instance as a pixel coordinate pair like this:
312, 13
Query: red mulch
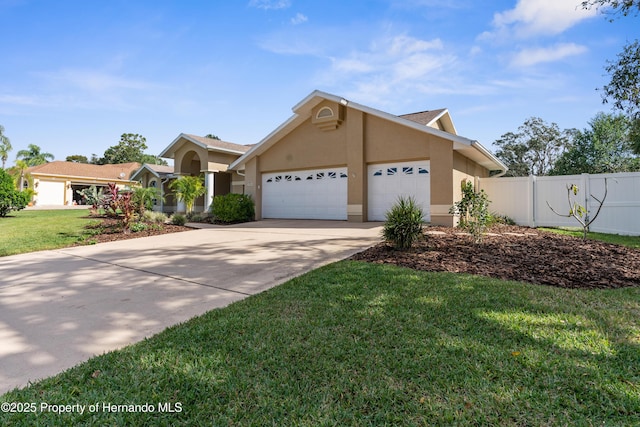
534, 256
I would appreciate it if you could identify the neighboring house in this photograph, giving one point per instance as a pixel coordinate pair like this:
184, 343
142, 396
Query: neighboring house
336, 159
196, 155
56, 183
158, 176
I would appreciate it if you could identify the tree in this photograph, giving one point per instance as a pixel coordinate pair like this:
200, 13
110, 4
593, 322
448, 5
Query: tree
152, 160
606, 147
624, 87
614, 7
10, 198
20, 174
129, 149
212, 136
533, 150
34, 156
188, 189
77, 158
5, 147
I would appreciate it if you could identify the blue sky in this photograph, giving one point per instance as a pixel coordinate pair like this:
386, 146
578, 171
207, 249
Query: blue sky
75, 75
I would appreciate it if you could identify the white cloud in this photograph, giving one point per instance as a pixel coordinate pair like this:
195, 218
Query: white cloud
299, 19
537, 17
392, 65
533, 56
270, 4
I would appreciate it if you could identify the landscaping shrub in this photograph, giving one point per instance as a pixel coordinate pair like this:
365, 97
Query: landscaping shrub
10, 198
154, 217
137, 226
197, 217
233, 208
496, 218
473, 210
178, 219
403, 224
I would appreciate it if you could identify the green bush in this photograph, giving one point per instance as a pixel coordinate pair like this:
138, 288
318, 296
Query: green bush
233, 208
10, 198
496, 218
178, 219
403, 224
154, 217
137, 226
473, 211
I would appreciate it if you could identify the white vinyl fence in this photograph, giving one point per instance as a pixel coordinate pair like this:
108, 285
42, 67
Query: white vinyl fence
524, 199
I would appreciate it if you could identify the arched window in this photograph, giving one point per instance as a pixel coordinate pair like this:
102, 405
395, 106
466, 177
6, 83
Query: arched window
324, 112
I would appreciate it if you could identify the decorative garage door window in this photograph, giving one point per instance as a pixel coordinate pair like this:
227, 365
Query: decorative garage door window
310, 194
389, 181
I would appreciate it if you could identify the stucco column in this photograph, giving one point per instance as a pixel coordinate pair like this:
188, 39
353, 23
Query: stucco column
356, 191
210, 185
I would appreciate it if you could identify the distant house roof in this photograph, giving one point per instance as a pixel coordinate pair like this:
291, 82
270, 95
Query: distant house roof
208, 143
424, 117
160, 171
117, 172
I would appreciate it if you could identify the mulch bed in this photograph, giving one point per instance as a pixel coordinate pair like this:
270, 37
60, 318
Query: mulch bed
534, 256
111, 231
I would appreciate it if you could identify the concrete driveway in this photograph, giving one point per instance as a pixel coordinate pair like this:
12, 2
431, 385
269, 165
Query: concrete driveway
60, 307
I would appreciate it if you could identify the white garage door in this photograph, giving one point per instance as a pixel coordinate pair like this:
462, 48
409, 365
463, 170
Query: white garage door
50, 193
309, 194
389, 181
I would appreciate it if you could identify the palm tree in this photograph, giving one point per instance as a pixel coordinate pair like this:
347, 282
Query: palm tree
5, 146
20, 174
143, 197
34, 156
188, 189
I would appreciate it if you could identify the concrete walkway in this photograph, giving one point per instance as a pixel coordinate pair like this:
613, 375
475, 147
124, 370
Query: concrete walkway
60, 307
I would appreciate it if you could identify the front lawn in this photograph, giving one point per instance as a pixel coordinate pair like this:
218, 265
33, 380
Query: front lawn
629, 241
36, 230
357, 343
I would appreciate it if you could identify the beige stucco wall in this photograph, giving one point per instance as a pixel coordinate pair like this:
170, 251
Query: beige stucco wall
359, 140
307, 147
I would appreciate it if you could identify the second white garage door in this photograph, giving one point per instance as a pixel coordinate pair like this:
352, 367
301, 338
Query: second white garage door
388, 181
309, 194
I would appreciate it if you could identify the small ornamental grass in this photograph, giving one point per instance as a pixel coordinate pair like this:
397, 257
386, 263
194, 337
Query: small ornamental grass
403, 224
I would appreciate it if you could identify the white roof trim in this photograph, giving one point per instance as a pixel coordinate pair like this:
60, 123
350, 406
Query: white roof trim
302, 107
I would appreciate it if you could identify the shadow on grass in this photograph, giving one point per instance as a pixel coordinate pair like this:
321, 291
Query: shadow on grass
358, 344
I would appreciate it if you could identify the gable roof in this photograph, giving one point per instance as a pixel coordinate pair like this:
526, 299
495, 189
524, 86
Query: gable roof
431, 118
114, 172
207, 143
156, 170
302, 111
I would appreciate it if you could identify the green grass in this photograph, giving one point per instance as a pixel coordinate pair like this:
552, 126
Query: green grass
629, 241
362, 344
36, 230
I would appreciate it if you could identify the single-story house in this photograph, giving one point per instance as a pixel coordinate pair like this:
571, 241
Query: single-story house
56, 183
336, 159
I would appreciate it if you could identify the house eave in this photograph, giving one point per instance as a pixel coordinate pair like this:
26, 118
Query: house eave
302, 110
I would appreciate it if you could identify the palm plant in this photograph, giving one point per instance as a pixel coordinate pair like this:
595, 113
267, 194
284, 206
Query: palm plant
34, 156
188, 189
20, 174
143, 198
5, 147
